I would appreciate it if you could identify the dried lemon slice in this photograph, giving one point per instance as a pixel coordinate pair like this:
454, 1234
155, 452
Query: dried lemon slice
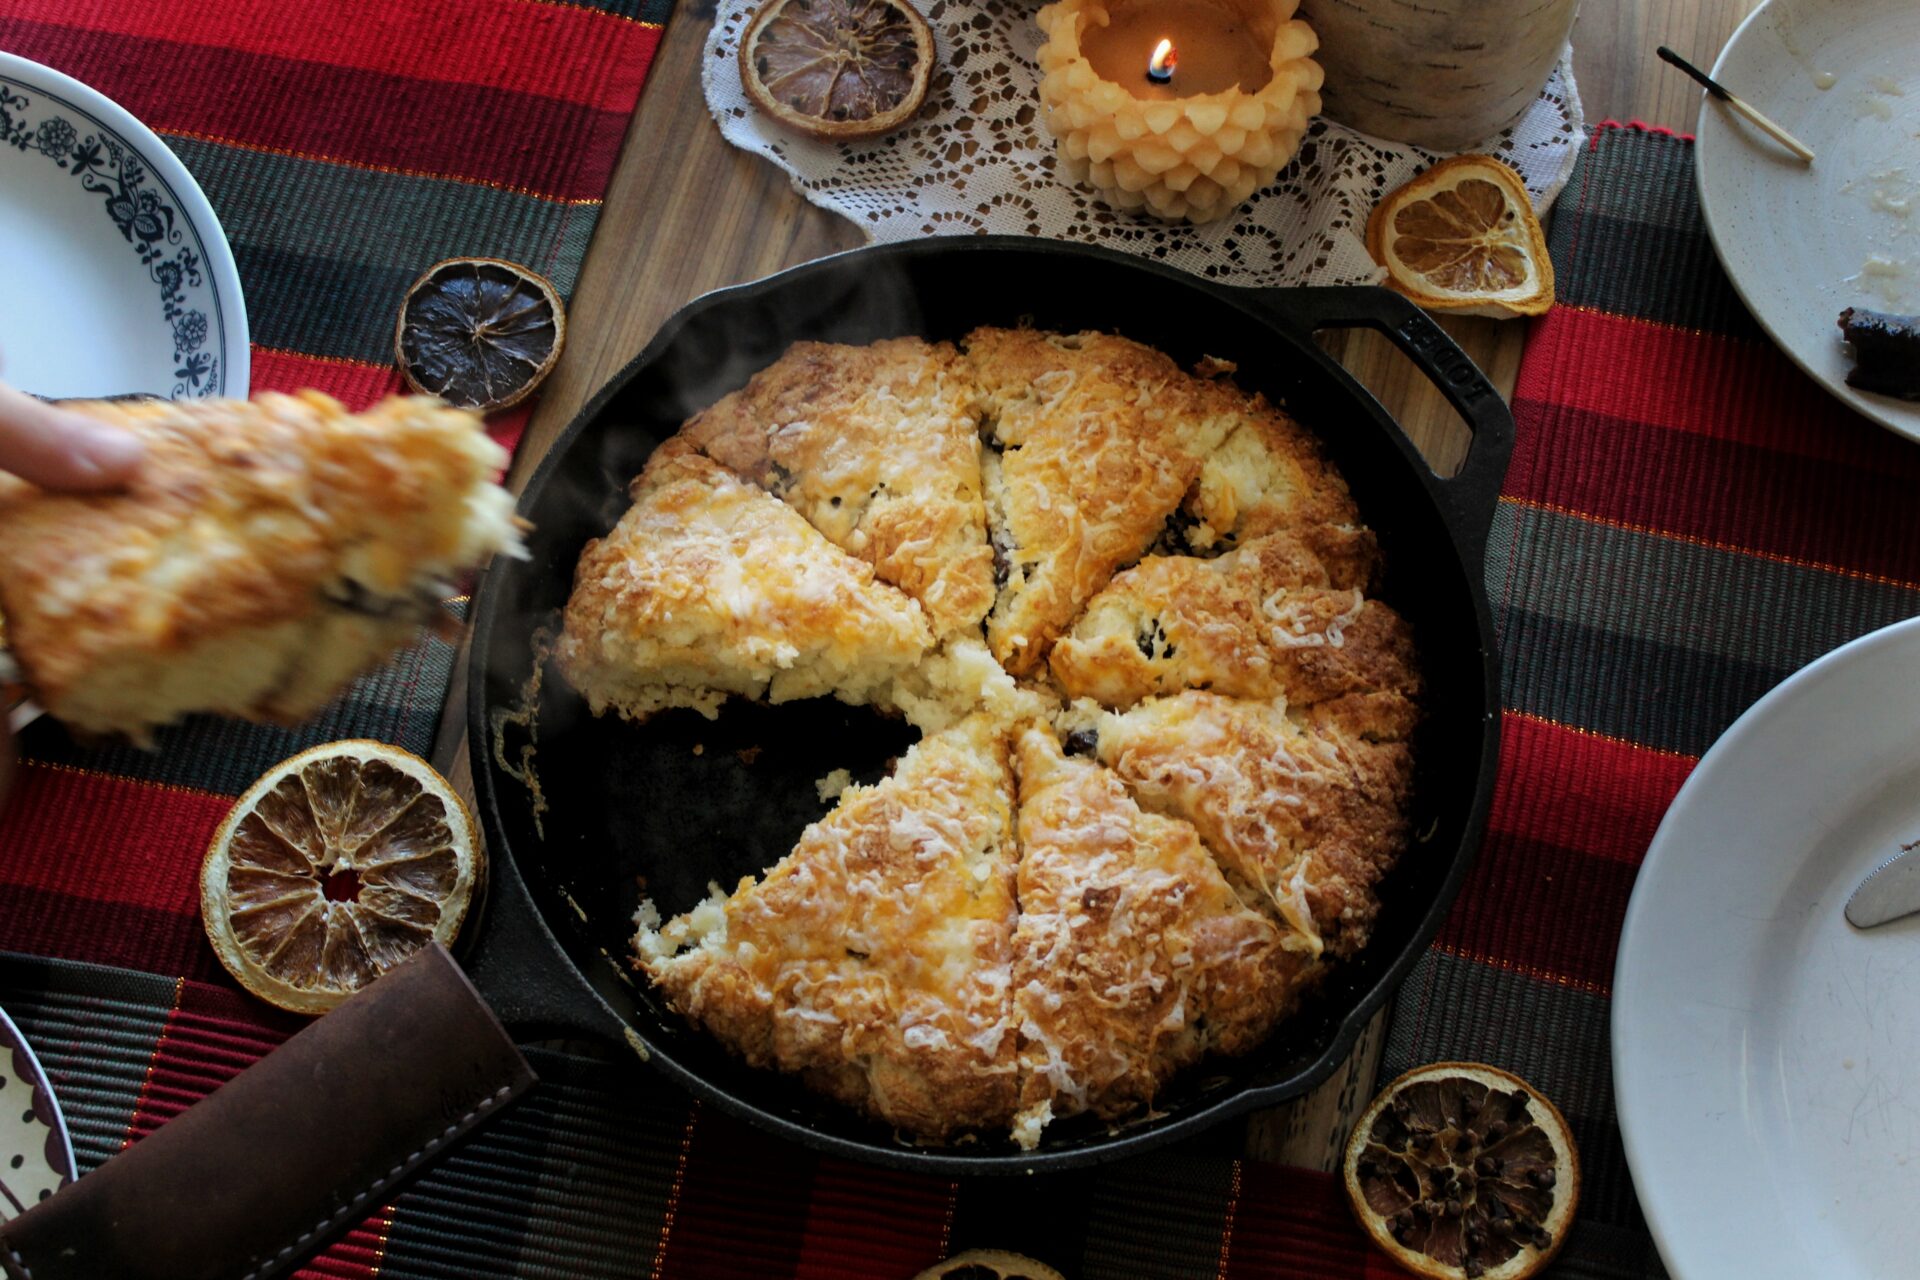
837, 69
1463, 237
1461, 1171
334, 867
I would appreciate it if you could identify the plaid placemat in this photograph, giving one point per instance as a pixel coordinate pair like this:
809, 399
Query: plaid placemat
1687, 521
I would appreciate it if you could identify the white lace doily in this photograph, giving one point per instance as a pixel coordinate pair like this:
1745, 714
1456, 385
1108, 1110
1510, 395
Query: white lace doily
978, 159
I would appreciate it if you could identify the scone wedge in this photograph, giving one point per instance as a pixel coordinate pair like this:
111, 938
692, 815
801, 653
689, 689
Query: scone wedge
1094, 441
873, 961
1271, 475
1261, 621
710, 587
1133, 956
877, 446
265, 553
1307, 811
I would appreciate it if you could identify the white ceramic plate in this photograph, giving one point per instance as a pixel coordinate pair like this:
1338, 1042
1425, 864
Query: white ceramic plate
36, 1157
1796, 240
116, 275
1766, 1055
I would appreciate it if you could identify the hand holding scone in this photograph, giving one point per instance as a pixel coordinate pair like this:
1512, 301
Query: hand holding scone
57, 450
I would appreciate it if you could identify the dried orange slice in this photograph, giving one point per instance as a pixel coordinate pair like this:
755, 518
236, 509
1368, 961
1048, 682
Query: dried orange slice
480, 333
1461, 1171
1463, 237
334, 867
838, 69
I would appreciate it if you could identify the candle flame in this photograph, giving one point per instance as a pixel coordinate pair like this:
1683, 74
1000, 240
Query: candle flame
1160, 66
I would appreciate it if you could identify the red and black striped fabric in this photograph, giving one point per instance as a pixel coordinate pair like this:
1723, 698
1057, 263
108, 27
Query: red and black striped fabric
1687, 520
346, 147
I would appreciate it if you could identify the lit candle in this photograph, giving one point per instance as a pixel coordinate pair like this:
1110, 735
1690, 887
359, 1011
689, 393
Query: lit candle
1160, 65
1180, 108
1214, 50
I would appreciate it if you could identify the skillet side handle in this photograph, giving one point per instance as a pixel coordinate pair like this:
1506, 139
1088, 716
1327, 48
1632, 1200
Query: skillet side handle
1473, 492
523, 973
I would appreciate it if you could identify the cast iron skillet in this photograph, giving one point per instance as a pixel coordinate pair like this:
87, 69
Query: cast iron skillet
683, 801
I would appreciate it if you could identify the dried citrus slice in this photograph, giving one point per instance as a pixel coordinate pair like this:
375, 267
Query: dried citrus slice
1462, 237
334, 867
479, 333
1464, 1171
837, 69
989, 1264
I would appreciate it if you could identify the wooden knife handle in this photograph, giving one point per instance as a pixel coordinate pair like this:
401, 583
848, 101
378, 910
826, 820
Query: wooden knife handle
296, 1148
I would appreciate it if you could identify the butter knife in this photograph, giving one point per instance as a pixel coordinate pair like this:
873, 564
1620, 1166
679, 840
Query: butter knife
1890, 891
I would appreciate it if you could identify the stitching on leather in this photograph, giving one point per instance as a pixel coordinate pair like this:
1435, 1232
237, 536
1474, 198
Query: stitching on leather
20, 1263
359, 1202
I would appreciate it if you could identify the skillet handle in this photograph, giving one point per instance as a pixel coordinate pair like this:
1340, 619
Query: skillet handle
298, 1147
1473, 492
523, 973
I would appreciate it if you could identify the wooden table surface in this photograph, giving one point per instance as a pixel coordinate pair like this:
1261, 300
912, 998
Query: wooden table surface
687, 213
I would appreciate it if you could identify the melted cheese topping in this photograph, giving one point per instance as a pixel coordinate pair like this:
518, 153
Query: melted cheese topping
708, 586
1257, 622
923, 954
1099, 438
263, 555
876, 957
1133, 955
1308, 815
878, 448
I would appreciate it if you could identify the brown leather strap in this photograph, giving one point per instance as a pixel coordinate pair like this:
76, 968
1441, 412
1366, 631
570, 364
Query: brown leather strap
300, 1145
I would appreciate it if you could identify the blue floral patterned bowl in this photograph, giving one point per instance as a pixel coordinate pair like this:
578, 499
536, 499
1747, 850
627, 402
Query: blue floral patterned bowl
115, 276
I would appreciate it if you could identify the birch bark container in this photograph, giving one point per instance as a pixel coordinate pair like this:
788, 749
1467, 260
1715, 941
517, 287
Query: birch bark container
1441, 74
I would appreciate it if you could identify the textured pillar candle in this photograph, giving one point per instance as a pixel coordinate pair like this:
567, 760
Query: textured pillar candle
1221, 126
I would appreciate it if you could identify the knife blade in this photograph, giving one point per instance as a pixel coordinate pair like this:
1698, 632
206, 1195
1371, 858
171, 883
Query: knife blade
1890, 891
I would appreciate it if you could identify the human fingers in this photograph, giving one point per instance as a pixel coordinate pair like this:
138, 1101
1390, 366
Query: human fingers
59, 449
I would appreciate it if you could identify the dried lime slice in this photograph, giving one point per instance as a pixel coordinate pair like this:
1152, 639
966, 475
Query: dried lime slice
479, 333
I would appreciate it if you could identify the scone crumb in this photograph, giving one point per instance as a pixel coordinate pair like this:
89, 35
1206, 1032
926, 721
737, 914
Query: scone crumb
832, 785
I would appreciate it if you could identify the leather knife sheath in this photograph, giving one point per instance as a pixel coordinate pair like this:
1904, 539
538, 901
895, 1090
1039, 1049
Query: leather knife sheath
299, 1146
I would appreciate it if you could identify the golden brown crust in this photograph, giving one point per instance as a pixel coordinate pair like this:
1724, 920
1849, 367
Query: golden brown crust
878, 448
243, 526
1099, 439
1177, 895
1133, 957
709, 586
1307, 812
874, 960
1258, 622
1271, 475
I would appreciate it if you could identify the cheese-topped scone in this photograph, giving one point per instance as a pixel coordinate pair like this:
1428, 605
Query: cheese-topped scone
1133, 956
959, 679
263, 555
1270, 474
1261, 621
874, 960
1309, 810
1094, 441
709, 586
877, 446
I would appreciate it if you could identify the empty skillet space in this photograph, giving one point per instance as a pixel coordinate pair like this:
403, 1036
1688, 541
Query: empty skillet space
631, 802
